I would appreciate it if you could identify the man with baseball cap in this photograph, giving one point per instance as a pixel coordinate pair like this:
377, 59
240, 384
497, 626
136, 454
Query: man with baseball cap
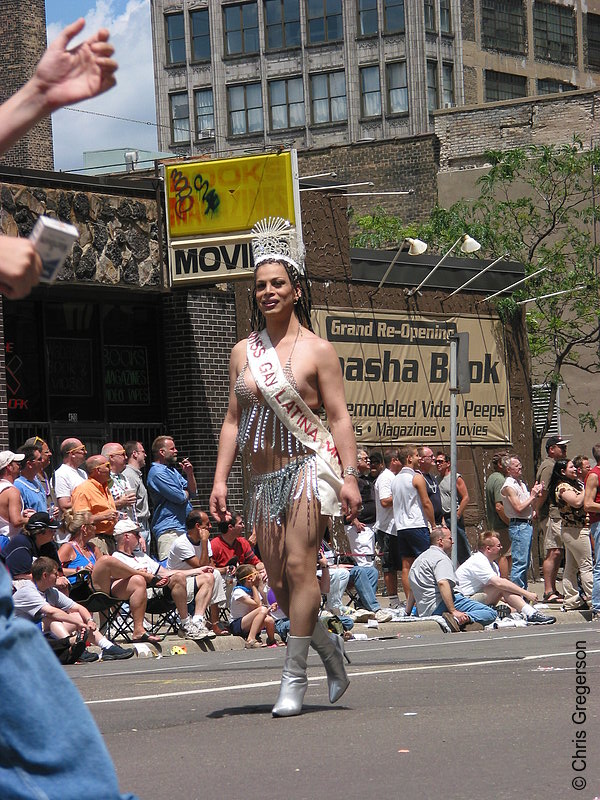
12, 518
36, 539
172, 582
549, 522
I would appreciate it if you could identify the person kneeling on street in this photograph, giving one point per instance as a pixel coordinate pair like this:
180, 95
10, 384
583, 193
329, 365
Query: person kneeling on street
433, 587
479, 578
40, 601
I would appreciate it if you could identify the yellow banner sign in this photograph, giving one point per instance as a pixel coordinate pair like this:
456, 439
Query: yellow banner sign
396, 369
228, 195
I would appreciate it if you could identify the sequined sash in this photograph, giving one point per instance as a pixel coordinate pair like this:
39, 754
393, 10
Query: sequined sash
297, 417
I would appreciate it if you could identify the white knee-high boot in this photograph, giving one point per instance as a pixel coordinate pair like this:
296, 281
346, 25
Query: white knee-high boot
331, 651
293, 678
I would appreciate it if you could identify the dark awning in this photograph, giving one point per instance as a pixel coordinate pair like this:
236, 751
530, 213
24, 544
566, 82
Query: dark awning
369, 266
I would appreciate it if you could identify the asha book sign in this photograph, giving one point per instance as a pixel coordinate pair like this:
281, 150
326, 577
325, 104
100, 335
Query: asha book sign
396, 371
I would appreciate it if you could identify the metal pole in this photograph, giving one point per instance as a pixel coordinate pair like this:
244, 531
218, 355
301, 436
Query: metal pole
453, 447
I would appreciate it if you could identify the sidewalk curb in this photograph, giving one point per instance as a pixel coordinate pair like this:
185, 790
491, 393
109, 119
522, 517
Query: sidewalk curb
387, 630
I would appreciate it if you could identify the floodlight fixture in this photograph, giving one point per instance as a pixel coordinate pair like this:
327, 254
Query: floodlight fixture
416, 247
467, 245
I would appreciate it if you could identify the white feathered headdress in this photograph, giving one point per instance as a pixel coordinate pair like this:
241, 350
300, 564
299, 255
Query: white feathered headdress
274, 239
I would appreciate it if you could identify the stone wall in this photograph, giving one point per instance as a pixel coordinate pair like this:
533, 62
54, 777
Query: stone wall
118, 242
23, 36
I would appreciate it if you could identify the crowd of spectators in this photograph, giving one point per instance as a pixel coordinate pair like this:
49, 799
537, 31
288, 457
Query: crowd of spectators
98, 525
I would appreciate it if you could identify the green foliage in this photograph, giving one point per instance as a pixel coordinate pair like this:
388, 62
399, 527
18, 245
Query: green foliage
539, 205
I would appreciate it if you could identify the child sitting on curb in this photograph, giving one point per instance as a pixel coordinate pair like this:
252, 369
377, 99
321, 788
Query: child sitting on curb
248, 613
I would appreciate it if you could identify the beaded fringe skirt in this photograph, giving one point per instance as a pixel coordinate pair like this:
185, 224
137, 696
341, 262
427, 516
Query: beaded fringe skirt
272, 494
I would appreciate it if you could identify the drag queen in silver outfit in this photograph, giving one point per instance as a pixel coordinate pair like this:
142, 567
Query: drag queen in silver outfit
293, 487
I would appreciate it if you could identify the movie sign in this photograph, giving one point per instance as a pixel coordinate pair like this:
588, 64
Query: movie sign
396, 371
212, 206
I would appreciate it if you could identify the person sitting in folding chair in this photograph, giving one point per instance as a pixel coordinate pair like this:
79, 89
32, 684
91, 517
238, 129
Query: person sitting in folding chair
173, 584
192, 553
40, 601
85, 566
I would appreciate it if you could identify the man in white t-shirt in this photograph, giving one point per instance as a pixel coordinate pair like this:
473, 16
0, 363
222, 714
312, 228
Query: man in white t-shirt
192, 551
384, 524
479, 578
519, 506
172, 582
434, 590
40, 601
413, 511
69, 475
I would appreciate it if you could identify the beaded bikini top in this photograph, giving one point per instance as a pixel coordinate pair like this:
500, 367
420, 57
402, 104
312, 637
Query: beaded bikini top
258, 422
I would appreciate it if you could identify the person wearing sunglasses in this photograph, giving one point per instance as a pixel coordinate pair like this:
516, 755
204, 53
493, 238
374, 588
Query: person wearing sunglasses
70, 473
94, 494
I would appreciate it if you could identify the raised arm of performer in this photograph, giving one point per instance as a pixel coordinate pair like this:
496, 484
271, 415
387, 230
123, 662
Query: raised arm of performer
62, 77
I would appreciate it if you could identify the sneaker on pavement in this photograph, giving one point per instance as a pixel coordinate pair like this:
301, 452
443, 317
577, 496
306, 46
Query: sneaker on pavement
383, 615
208, 633
87, 657
189, 630
540, 619
116, 653
362, 615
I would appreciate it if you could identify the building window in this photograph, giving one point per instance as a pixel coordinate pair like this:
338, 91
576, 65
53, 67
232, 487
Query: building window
200, 32
540, 396
503, 25
328, 97
324, 21
241, 29
180, 117
245, 109
393, 14
370, 92
504, 86
368, 24
554, 32
447, 85
429, 6
282, 23
445, 22
286, 101
432, 86
397, 88
593, 40
550, 86
175, 34
205, 113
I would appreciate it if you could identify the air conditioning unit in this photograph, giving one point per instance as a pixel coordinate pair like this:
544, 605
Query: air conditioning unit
448, 105
207, 133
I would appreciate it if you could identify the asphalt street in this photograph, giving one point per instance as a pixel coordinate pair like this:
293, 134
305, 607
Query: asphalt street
506, 714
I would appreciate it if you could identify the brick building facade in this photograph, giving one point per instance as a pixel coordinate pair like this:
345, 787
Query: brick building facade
408, 164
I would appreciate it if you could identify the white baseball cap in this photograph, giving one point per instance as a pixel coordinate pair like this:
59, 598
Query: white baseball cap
125, 526
7, 457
